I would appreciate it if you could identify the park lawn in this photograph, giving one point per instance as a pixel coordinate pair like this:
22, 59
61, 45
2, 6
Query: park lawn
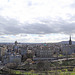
68, 73
43, 73
74, 70
16, 72
26, 73
60, 55
0, 71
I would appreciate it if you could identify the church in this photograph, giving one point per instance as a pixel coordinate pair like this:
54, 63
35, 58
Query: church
68, 48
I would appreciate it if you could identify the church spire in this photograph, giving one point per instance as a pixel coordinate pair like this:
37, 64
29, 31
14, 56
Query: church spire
16, 43
70, 41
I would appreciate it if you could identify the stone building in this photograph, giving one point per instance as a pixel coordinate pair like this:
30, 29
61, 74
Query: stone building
11, 58
15, 58
44, 52
68, 49
2, 51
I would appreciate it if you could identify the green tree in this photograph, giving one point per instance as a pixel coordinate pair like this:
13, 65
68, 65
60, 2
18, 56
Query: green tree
40, 65
29, 55
27, 66
46, 66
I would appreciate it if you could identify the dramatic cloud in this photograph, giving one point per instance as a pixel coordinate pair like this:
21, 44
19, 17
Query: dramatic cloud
12, 26
24, 18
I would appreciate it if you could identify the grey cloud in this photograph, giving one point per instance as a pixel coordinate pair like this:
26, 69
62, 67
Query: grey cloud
13, 27
37, 28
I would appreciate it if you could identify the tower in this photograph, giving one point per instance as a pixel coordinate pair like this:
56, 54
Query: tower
15, 47
16, 43
70, 41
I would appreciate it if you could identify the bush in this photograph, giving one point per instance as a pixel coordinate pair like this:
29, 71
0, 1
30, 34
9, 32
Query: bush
11, 65
40, 65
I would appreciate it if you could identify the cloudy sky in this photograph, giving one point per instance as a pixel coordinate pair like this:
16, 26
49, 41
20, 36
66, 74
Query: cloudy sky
37, 20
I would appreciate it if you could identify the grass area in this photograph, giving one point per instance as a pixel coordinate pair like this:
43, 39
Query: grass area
54, 72
0, 71
60, 55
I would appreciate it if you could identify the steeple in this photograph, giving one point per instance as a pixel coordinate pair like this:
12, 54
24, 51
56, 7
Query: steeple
70, 41
16, 43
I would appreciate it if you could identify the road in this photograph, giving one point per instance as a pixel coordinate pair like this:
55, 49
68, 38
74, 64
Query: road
63, 59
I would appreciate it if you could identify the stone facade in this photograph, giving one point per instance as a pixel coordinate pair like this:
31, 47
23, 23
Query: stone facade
68, 49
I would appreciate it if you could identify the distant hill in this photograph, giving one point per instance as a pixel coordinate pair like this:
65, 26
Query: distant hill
66, 42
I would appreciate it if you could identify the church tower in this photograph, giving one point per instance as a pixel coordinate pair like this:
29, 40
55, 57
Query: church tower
15, 48
70, 41
15, 43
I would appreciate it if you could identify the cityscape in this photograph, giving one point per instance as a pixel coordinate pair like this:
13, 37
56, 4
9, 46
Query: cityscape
37, 37
37, 57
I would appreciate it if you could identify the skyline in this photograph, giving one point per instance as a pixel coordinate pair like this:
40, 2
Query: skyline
27, 40
35, 21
